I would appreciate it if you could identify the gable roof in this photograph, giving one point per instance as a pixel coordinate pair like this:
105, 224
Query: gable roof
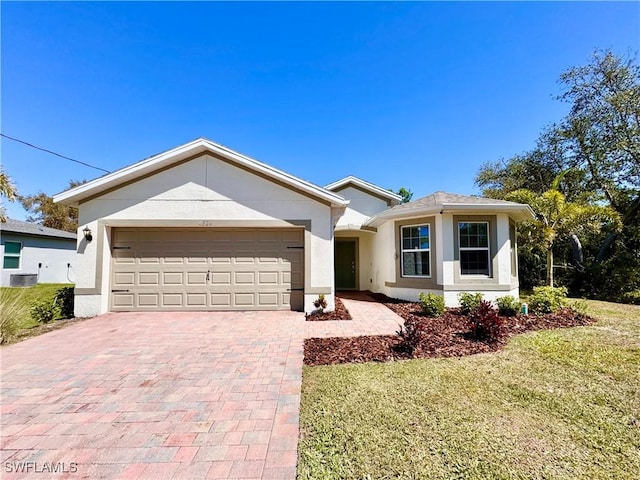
29, 228
200, 146
388, 195
440, 202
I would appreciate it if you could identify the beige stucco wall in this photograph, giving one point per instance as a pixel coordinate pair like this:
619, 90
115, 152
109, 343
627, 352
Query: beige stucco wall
449, 282
362, 205
204, 192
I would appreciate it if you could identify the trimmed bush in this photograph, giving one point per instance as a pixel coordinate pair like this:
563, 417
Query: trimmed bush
508, 306
469, 302
44, 311
64, 300
485, 324
547, 299
432, 304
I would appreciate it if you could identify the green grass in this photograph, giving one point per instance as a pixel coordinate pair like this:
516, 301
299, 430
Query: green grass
16, 302
561, 404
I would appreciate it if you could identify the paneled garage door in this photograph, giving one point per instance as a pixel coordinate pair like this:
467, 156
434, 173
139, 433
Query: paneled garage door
207, 269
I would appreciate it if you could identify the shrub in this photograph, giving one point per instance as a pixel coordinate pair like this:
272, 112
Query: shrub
547, 299
44, 311
320, 303
485, 323
411, 335
469, 302
432, 304
12, 308
508, 306
632, 297
579, 308
64, 301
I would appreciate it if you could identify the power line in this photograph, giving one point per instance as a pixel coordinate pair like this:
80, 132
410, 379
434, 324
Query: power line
52, 153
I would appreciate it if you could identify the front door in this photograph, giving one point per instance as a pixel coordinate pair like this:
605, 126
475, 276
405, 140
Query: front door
345, 264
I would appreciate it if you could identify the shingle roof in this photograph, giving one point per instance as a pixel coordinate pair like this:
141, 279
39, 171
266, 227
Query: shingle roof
445, 198
443, 201
29, 228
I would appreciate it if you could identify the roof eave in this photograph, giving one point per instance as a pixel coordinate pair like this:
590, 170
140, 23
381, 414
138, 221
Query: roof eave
391, 196
519, 212
112, 180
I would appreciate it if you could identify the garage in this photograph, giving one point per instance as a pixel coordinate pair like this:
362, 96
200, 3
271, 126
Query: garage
154, 269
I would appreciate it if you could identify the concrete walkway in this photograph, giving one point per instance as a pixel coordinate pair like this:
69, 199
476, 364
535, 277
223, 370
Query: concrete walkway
164, 395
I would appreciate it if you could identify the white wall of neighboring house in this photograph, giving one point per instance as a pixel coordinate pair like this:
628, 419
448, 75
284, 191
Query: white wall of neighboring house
52, 259
203, 192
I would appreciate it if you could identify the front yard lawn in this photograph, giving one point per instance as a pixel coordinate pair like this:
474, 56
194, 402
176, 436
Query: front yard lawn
15, 304
554, 404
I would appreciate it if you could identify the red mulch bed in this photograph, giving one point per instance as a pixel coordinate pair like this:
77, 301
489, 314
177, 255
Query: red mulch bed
340, 313
446, 336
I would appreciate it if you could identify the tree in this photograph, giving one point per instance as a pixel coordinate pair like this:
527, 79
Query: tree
557, 219
49, 214
7, 190
598, 141
406, 194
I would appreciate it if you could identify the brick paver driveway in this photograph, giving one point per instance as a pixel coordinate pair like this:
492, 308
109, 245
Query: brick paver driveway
157, 396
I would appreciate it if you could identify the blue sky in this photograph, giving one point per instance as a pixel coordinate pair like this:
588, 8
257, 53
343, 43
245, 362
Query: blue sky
400, 94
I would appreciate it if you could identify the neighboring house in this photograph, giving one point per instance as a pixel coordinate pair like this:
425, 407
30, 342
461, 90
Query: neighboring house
33, 254
202, 227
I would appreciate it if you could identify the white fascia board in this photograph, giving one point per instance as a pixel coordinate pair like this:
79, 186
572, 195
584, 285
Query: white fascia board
519, 212
126, 174
364, 185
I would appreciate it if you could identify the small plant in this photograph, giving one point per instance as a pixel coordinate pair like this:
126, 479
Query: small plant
12, 308
432, 304
579, 308
64, 301
469, 302
508, 306
44, 311
411, 335
547, 299
320, 303
485, 323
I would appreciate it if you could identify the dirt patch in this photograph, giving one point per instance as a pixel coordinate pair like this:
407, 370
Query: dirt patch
41, 329
340, 313
445, 336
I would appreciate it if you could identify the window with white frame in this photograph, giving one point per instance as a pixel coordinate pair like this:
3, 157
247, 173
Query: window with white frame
415, 251
473, 240
12, 255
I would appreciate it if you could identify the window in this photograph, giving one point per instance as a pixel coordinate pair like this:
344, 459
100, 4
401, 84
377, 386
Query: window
474, 248
12, 255
415, 251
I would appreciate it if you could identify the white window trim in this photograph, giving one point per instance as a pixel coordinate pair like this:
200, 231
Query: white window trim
402, 250
475, 249
13, 255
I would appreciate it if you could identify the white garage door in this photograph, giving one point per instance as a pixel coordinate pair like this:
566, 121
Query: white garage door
207, 269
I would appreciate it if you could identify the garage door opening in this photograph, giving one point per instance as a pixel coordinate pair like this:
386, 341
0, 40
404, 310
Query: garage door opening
207, 269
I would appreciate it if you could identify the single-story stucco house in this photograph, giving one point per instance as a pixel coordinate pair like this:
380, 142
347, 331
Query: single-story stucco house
33, 254
202, 227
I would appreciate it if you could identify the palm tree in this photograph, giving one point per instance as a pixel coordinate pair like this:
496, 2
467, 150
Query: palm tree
557, 219
7, 190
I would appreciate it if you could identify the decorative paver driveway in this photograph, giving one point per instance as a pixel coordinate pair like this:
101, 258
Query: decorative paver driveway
164, 395
155, 396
